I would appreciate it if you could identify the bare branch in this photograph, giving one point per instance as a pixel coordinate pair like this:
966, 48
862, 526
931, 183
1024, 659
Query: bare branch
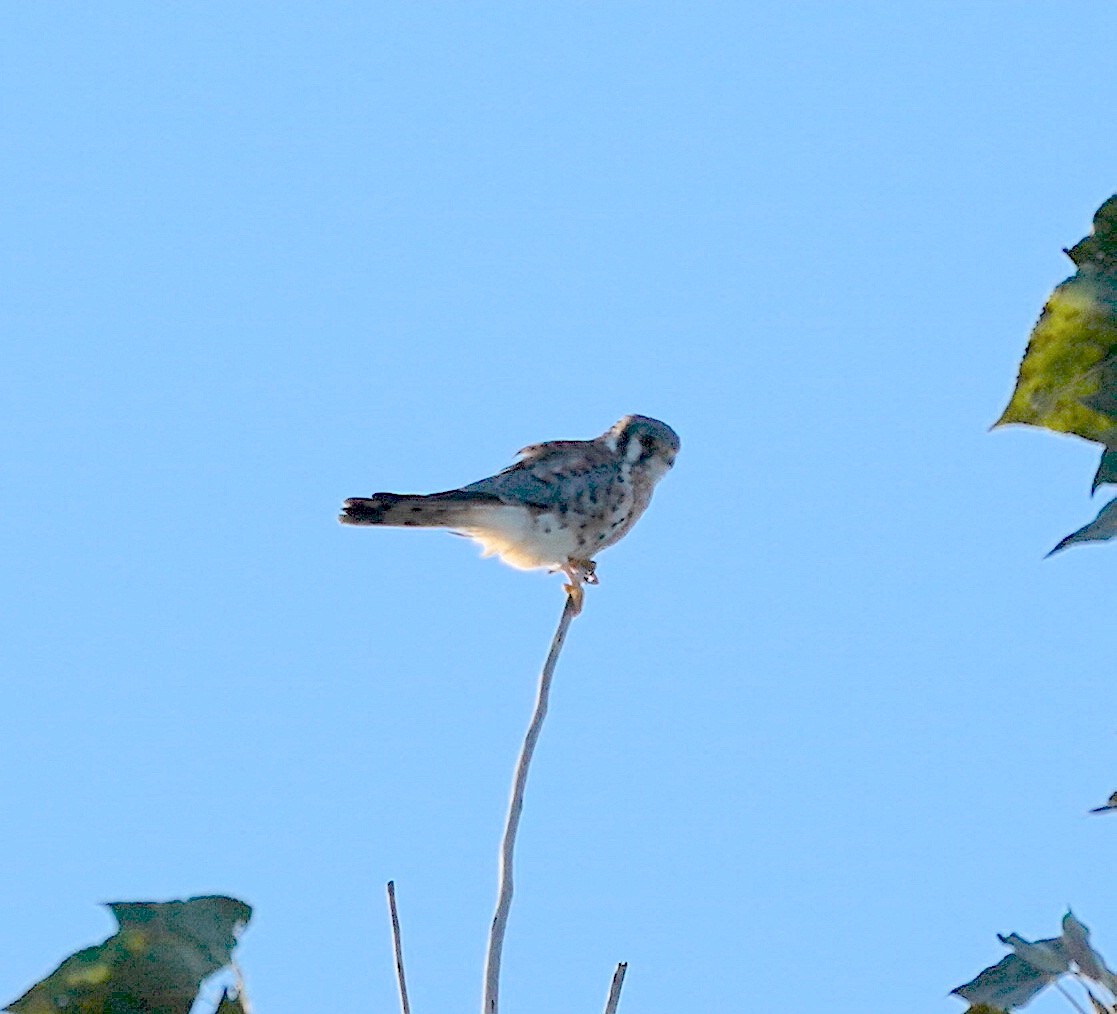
490, 1000
615, 989
397, 944
1073, 1002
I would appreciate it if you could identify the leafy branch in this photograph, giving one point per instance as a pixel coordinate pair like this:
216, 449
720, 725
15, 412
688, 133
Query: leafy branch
1035, 964
1068, 377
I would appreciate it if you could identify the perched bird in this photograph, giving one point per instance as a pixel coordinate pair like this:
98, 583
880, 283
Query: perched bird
556, 508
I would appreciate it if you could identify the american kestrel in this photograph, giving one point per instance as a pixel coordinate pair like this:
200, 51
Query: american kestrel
558, 506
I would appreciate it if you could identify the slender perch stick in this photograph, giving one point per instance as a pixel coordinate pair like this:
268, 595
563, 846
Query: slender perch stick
490, 1001
615, 989
397, 945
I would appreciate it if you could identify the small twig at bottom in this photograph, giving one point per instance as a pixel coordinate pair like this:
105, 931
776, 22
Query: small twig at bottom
490, 999
1073, 1002
615, 989
397, 945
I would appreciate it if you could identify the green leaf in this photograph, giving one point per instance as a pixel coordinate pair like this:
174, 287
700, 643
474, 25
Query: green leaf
1013, 981
1068, 377
1107, 470
1046, 955
1090, 963
1101, 529
154, 964
1110, 804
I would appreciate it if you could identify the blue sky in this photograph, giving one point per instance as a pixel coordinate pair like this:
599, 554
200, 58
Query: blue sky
830, 721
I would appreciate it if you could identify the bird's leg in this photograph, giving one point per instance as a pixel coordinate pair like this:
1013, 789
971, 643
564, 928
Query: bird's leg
588, 570
580, 572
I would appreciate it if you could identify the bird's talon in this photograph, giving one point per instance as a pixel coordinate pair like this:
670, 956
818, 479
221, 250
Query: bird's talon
586, 570
577, 596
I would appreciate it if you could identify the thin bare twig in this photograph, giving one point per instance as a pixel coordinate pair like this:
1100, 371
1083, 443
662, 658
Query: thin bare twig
1087, 984
397, 944
1073, 1002
490, 1000
615, 989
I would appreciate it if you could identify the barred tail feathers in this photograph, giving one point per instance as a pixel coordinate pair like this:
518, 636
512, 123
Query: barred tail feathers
436, 510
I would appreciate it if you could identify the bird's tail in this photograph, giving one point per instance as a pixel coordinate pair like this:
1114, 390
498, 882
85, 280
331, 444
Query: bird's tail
436, 510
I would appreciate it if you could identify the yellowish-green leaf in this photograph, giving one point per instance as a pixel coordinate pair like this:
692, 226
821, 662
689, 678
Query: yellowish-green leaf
154, 964
1068, 377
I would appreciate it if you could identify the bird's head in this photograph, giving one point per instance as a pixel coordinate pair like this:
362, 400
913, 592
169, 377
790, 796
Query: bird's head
645, 442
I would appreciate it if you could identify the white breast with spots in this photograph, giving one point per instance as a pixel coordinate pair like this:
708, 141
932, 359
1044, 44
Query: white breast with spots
524, 538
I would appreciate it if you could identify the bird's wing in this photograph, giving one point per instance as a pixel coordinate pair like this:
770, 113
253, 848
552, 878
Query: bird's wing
549, 474
551, 448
